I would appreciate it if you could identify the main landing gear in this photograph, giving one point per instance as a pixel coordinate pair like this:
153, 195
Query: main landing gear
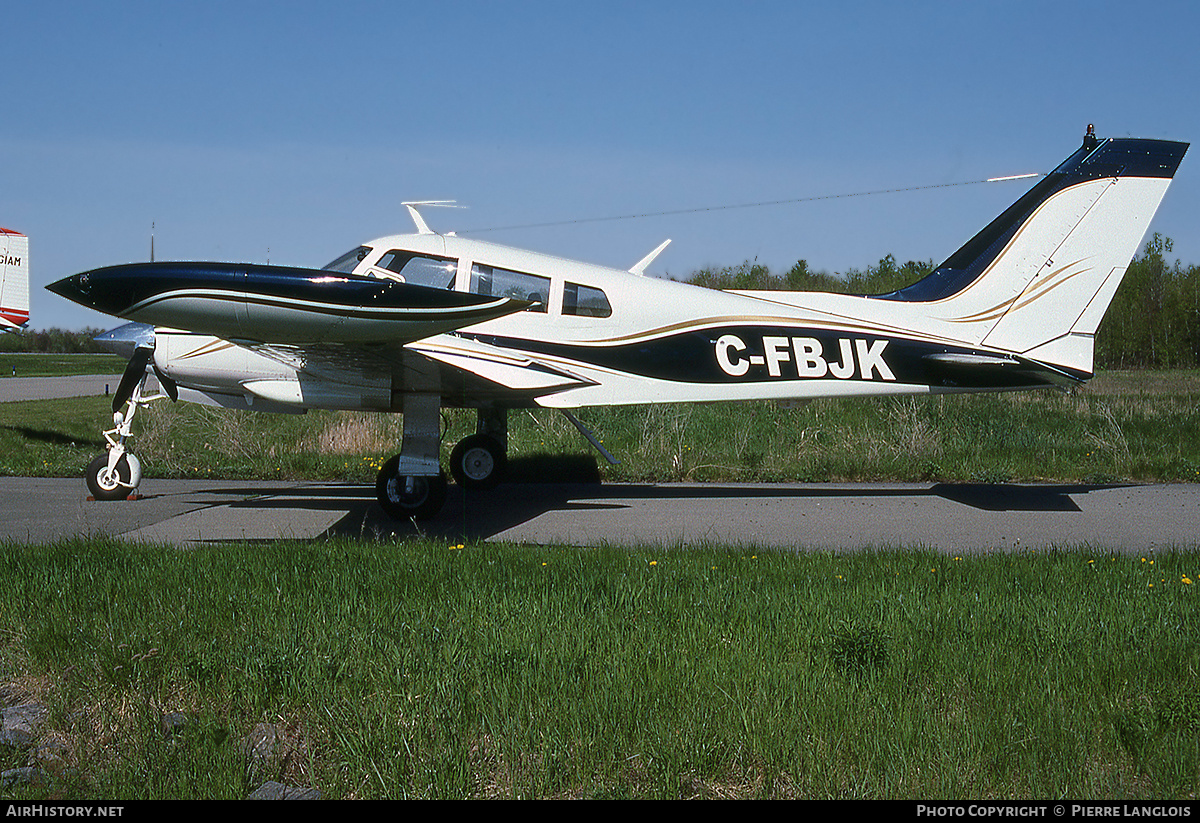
412, 484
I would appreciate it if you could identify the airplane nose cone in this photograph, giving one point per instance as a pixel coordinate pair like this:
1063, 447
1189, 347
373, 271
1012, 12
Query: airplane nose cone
98, 289
76, 288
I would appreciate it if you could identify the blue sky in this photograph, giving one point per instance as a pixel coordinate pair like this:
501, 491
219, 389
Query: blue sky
293, 131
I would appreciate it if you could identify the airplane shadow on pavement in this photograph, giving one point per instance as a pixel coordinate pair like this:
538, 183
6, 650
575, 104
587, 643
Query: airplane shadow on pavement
572, 485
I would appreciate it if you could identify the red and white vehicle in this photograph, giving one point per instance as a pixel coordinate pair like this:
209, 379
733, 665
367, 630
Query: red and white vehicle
14, 279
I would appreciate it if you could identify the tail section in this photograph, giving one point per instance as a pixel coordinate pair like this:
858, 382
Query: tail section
1038, 279
14, 279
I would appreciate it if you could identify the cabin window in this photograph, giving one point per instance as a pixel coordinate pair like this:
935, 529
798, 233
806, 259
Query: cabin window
584, 301
494, 282
420, 269
348, 261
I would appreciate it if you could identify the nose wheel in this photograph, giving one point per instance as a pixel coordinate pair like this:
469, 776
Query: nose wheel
114, 483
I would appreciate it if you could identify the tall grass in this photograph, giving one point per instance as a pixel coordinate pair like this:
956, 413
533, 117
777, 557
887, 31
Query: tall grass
426, 670
1132, 426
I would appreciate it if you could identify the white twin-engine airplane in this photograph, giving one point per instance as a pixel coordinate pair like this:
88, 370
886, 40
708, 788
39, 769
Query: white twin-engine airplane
413, 323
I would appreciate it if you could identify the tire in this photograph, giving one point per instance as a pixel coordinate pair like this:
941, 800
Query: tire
105, 486
478, 462
405, 497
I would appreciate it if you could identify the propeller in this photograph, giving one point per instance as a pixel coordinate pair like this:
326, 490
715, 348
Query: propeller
134, 370
167, 383
133, 373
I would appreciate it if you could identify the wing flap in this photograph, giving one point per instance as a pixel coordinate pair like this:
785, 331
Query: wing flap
512, 371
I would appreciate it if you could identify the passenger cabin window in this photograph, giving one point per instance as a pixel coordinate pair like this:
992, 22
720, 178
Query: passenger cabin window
348, 261
494, 282
584, 301
419, 269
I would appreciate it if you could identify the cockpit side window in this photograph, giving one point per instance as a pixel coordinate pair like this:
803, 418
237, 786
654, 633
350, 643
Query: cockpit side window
585, 301
348, 261
420, 269
491, 281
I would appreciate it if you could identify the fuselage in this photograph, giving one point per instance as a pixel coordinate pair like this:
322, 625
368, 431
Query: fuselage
478, 323
610, 336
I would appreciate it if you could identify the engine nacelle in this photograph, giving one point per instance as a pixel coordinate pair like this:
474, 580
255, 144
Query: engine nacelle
238, 377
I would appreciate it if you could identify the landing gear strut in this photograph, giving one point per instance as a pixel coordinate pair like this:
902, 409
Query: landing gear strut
412, 485
118, 473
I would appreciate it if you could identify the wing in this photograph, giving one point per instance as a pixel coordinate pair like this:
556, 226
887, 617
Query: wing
463, 372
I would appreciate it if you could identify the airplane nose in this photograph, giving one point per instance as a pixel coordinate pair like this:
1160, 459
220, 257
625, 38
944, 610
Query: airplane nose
105, 290
75, 288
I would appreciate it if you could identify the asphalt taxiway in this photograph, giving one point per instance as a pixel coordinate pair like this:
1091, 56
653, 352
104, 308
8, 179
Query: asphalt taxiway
952, 518
54, 388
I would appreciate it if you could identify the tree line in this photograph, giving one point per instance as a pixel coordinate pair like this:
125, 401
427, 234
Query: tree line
1153, 322
52, 341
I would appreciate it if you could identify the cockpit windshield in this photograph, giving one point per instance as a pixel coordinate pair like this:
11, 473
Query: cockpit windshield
348, 261
419, 269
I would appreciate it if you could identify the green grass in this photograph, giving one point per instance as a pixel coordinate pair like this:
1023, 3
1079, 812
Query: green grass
417, 669
23, 364
1141, 426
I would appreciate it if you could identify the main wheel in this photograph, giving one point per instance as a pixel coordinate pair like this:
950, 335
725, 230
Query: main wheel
405, 496
478, 462
106, 485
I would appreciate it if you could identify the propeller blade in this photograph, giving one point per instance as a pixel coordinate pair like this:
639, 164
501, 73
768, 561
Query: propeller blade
133, 373
169, 385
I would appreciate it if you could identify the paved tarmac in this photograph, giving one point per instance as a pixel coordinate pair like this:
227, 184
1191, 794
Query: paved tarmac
949, 518
54, 388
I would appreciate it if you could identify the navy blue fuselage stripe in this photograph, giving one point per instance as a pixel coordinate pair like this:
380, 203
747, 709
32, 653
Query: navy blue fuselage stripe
691, 357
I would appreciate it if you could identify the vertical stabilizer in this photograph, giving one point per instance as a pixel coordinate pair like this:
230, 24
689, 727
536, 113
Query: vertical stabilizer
14, 279
1038, 279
